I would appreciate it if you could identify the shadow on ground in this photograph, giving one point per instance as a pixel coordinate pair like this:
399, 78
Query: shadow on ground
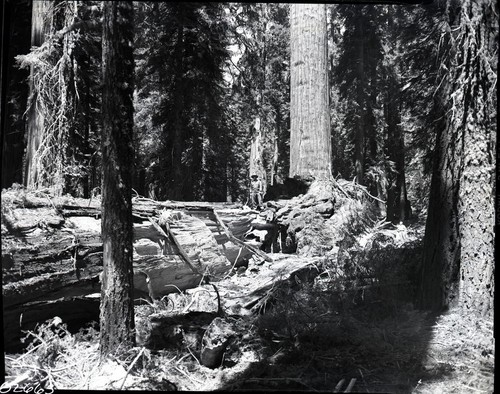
320, 341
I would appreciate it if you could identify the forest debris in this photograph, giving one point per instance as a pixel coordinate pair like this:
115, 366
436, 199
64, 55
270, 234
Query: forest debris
215, 341
237, 241
350, 386
131, 366
187, 259
249, 289
339, 386
198, 242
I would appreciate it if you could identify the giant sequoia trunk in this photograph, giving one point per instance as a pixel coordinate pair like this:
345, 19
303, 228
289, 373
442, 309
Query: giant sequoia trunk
117, 310
459, 241
310, 140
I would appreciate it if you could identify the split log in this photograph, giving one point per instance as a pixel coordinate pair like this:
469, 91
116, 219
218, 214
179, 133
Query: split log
256, 251
238, 222
52, 250
197, 242
182, 252
167, 274
49, 260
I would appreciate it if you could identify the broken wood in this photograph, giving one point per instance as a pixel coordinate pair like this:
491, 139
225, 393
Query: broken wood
350, 386
198, 243
179, 247
258, 252
215, 341
52, 255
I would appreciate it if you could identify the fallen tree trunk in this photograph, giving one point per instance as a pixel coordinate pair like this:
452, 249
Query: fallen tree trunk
52, 250
241, 243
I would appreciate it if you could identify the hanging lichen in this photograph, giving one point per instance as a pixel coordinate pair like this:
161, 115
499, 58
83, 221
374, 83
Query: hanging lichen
51, 100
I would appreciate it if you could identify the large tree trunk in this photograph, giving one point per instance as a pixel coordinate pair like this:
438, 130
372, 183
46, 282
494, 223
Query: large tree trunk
459, 241
41, 22
117, 310
476, 207
51, 144
310, 141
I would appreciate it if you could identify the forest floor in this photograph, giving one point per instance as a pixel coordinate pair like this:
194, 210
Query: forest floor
299, 344
306, 338
306, 334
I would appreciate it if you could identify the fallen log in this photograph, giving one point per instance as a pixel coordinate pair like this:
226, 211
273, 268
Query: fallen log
50, 259
172, 237
52, 249
258, 252
196, 243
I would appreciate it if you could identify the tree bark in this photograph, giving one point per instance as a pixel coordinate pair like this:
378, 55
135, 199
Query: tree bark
396, 194
176, 191
256, 159
359, 141
117, 310
310, 140
459, 240
41, 22
476, 209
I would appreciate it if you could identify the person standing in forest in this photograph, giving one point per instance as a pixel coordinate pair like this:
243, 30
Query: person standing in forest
256, 191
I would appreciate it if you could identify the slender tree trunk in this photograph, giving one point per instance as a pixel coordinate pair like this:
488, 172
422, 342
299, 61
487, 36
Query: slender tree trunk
395, 150
257, 165
458, 265
86, 139
310, 139
256, 159
117, 309
41, 22
440, 266
359, 141
177, 168
278, 154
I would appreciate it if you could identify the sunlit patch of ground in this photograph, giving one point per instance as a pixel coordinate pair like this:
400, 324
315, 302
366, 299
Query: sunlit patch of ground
464, 346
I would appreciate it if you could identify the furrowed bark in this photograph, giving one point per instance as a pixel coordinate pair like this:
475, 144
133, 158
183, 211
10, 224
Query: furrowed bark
310, 140
117, 311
